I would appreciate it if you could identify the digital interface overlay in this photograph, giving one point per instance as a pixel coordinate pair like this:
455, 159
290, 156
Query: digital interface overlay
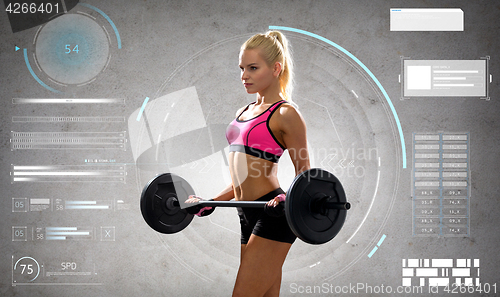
99, 97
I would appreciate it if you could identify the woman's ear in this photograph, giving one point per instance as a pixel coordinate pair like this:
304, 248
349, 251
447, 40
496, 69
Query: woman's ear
277, 69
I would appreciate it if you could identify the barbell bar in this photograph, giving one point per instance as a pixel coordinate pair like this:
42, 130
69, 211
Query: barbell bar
261, 204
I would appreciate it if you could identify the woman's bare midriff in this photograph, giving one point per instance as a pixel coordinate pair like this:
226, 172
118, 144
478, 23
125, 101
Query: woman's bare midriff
252, 177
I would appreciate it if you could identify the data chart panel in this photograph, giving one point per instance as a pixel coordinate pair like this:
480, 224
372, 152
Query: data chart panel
441, 184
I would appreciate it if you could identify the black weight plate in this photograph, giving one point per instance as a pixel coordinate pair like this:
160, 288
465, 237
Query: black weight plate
157, 203
307, 223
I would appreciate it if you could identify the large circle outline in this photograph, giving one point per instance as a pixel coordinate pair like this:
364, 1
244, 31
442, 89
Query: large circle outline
38, 265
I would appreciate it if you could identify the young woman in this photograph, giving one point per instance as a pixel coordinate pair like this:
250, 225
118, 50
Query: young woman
258, 136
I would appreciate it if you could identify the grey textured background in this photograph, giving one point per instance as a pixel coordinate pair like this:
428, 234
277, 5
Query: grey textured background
169, 46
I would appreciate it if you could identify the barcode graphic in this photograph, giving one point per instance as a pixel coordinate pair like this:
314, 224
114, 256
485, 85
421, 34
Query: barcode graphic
68, 140
440, 272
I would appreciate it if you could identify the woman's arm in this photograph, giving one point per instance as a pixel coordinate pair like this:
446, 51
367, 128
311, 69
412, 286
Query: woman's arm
293, 131
226, 194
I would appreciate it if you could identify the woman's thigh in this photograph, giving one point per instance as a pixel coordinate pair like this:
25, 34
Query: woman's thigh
261, 263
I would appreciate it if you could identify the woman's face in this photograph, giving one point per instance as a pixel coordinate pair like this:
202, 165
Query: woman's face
256, 75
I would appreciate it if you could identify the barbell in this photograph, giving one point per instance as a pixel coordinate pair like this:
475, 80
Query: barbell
315, 205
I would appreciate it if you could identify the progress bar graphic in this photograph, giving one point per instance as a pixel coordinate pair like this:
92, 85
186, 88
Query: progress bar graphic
68, 173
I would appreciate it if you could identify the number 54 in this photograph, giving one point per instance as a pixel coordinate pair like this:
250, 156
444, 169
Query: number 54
69, 50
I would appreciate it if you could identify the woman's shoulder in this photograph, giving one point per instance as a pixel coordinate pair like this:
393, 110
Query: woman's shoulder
289, 117
289, 110
240, 110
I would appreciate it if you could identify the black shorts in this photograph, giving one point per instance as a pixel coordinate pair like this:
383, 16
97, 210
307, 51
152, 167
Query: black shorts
256, 221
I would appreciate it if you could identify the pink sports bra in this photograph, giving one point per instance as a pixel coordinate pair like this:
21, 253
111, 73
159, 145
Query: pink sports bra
254, 136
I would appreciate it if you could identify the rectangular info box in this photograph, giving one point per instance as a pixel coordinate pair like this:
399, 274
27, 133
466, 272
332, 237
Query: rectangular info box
426, 19
445, 78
